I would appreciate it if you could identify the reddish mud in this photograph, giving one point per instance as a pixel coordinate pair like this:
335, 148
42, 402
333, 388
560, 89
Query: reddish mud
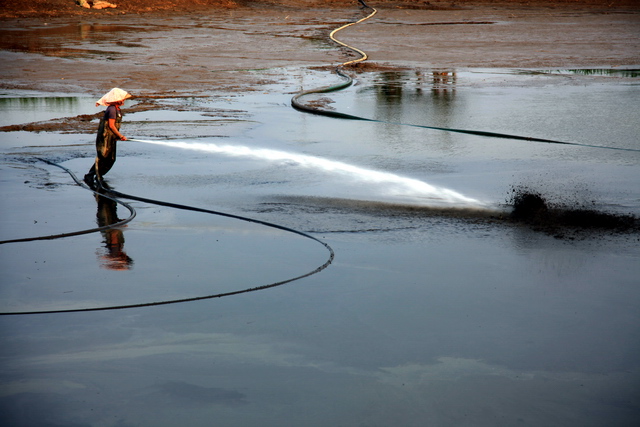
175, 45
61, 8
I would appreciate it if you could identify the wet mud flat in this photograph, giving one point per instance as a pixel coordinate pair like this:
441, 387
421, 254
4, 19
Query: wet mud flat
195, 53
437, 307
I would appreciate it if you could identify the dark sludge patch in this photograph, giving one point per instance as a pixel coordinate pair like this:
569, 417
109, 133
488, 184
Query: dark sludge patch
534, 210
528, 207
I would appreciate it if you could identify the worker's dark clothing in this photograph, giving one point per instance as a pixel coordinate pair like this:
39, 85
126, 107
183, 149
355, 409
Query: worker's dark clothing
105, 144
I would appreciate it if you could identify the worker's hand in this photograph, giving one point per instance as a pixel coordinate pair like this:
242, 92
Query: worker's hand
123, 138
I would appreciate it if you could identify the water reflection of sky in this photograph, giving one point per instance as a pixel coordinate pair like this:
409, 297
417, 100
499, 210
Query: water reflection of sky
21, 108
603, 114
420, 319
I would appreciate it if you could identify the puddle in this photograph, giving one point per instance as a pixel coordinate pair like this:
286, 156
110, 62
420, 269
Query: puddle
20, 108
613, 72
65, 40
492, 101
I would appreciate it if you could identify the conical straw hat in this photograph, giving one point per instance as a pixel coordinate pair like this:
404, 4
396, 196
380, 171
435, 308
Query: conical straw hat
114, 95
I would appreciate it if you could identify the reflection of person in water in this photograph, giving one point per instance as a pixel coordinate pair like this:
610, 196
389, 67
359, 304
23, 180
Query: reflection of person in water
108, 134
114, 257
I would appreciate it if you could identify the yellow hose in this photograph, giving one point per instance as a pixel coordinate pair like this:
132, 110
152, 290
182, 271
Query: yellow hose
295, 101
364, 55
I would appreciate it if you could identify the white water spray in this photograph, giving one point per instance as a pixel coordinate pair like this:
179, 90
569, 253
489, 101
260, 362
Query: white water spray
394, 184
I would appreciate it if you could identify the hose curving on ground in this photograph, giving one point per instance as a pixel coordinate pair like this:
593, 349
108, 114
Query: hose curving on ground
114, 195
295, 101
348, 81
99, 193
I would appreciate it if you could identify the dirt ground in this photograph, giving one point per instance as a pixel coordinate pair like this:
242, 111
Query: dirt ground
177, 48
59, 8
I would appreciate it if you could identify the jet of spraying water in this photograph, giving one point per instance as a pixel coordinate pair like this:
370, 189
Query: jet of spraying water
395, 184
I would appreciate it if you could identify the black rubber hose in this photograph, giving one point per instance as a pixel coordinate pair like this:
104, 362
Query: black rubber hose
113, 196
298, 105
132, 214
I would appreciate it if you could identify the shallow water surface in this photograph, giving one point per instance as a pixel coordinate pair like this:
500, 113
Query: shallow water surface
19, 107
431, 312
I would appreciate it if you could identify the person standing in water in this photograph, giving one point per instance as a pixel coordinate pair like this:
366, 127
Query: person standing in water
108, 134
